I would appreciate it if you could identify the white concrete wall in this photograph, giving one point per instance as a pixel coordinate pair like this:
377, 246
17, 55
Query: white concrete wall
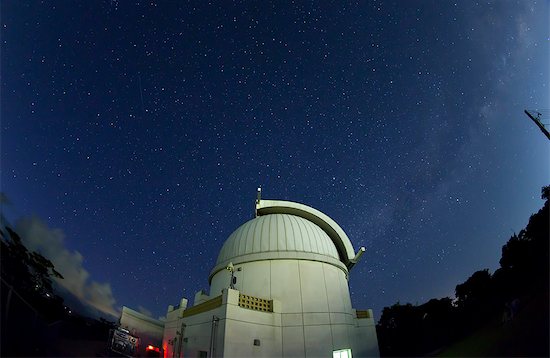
300, 285
243, 326
198, 331
365, 343
312, 332
285, 285
171, 325
316, 316
220, 282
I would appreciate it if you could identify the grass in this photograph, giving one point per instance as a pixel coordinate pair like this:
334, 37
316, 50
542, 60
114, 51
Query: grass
480, 344
526, 335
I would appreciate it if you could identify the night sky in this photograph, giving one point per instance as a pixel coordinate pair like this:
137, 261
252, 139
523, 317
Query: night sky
134, 135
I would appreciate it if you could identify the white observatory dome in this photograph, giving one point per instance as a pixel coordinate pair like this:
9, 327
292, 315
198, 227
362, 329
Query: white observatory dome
284, 230
271, 234
279, 288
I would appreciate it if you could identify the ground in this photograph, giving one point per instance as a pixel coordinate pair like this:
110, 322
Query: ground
525, 335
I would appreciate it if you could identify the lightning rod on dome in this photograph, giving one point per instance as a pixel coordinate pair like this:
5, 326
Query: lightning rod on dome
258, 198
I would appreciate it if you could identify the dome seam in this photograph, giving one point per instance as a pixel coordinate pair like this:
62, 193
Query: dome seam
272, 233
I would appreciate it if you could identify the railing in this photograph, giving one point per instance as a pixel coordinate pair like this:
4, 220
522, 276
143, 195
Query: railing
255, 303
203, 307
363, 314
245, 301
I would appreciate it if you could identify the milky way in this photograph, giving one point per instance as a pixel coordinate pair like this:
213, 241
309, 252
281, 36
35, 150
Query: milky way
142, 130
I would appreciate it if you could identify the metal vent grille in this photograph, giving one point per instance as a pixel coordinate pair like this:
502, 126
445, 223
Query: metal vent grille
255, 303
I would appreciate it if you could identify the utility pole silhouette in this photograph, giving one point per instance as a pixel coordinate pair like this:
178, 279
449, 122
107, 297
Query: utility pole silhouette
536, 119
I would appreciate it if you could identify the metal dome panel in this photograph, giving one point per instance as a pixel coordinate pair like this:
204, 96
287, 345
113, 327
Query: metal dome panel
277, 233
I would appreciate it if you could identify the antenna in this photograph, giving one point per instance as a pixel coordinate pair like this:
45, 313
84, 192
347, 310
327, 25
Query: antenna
538, 122
258, 199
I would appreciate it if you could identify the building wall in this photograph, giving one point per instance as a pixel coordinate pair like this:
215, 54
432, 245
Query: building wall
300, 285
244, 326
316, 316
279, 334
171, 326
365, 341
197, 335
149, 330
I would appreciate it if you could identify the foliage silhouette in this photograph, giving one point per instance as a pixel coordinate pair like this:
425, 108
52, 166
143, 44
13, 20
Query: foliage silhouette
34, 320
407, 330
30, 274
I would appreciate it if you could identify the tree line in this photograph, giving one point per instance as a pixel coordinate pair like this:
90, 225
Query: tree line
30, 275
484, 298
34, 319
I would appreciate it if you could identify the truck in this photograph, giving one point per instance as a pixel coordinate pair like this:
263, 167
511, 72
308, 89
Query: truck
122, 343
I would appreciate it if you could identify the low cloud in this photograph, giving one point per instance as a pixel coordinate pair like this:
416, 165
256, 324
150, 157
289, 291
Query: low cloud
37, 236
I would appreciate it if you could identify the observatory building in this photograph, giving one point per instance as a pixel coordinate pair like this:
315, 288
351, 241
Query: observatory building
279, 288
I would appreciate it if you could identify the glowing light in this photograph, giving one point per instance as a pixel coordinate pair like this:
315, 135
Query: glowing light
152, 348
342, 353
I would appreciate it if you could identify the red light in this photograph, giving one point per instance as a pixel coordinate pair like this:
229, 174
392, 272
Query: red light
151, 348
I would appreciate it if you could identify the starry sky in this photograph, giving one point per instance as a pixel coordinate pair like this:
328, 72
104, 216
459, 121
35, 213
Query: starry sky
134, 135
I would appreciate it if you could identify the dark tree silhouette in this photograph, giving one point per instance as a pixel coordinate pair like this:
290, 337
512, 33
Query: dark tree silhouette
407, 330
475, 300
30, 275
476, 289
42, 269
525, 257
29, 271
398, 330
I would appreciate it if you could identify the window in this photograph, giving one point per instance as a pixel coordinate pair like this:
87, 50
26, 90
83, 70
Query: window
203, 354
342, 353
